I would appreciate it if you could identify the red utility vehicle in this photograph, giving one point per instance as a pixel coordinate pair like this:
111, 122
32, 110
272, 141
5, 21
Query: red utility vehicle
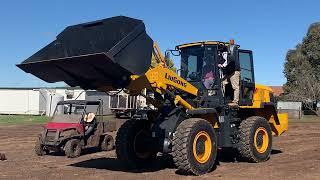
75, 125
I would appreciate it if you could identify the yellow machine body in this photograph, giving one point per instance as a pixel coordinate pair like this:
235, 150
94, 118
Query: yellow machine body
160, 78
261, 98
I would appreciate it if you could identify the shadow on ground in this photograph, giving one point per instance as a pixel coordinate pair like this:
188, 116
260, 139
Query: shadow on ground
84, 152
160, 163
113, 164
230, 155
276, 151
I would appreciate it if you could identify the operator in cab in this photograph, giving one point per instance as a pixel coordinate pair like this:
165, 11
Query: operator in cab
231, 73
208, 74
90, 123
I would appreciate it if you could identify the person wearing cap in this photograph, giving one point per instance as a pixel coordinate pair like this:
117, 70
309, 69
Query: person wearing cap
90, 123
208, 75
231, 72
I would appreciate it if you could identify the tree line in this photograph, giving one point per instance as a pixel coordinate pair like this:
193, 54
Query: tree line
302, 68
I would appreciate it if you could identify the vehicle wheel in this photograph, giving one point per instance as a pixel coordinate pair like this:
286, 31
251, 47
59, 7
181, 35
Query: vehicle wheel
194, 147
118, 115
107, 143
255, 139
39, 148
73, 148
130, 146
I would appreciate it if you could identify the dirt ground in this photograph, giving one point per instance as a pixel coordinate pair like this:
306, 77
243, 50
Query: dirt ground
295, 155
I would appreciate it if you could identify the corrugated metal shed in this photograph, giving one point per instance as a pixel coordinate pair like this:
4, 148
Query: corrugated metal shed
19, 101
294, 109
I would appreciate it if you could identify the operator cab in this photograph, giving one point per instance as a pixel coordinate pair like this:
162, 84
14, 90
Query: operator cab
199, 66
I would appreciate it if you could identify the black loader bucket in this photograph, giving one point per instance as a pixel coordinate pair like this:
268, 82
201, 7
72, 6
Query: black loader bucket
94, 54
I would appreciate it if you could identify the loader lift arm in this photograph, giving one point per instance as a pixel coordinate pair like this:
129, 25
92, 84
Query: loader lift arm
162, 80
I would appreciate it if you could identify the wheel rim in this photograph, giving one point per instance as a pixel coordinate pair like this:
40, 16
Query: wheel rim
74, 147
108, 142
261, 140
202, 147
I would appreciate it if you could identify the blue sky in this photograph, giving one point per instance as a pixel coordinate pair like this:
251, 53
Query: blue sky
269, 28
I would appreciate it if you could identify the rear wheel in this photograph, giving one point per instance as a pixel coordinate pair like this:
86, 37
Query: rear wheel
130, 146
107, 143
255, 143
73, 148
194, 146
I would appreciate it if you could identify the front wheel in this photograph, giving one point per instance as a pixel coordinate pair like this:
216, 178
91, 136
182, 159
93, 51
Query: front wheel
255, 142
130, 146
39, 148
107, 143
73, 148
194, 146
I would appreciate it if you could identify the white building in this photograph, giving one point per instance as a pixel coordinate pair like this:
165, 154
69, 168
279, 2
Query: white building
33, 101
19, 101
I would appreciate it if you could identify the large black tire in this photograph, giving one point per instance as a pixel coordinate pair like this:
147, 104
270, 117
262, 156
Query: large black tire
194, 147
73, 148
39, 148
255, 142
127, 150
107, 143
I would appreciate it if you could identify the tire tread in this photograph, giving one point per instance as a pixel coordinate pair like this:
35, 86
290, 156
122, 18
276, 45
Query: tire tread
244, 145
181, 146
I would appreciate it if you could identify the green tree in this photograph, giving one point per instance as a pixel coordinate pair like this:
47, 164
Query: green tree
302, 68
311, 47
170, 64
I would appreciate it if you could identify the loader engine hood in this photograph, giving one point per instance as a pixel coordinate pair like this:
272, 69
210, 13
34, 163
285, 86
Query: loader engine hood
95, 54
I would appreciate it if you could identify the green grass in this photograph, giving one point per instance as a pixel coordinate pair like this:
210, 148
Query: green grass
306, 119
22, 119
29, 119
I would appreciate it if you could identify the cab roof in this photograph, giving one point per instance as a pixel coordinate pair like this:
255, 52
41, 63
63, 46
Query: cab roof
201, 43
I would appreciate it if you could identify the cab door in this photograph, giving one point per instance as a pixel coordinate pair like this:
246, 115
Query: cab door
247, 83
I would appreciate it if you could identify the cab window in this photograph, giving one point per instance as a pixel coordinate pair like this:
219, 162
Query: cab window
246, 66
191, 63
247, 77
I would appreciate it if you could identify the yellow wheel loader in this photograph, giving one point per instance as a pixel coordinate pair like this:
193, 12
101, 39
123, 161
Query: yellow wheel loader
191, 119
